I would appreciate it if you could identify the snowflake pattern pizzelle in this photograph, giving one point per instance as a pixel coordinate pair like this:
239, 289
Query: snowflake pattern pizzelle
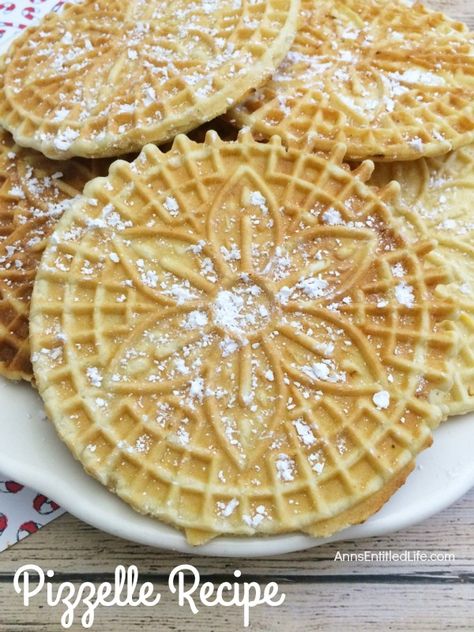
391, 80
243, 290
241, 336
34, 192
121, 74
438, 203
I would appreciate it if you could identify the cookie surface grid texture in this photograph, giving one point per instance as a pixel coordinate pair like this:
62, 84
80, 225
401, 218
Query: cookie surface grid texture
34, 191
104, 78
235, 339
438, 196
391, 81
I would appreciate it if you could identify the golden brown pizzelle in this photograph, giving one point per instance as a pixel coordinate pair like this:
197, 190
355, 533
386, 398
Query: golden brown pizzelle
437, 195
34, 192
238, 339
104, 77
392, 80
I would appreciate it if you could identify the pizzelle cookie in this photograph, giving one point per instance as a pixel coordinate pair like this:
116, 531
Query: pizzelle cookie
438, 196
392, 80
34, 191
104, 77
236, 338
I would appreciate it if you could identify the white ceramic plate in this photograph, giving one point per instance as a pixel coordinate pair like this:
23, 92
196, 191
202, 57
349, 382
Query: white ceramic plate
31, 452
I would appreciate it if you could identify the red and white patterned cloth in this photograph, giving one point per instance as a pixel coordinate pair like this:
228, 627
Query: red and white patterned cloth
22, 510
16, 16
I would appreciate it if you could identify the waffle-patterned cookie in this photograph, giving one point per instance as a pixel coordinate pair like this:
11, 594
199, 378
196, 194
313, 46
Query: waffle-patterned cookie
236, 338
105, 77
391, 80
438, 196
34, 191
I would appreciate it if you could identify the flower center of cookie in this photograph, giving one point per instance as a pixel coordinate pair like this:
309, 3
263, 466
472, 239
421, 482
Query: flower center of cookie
243, 309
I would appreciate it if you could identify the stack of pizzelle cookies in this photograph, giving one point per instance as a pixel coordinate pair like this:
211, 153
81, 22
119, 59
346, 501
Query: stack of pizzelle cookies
254, 325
